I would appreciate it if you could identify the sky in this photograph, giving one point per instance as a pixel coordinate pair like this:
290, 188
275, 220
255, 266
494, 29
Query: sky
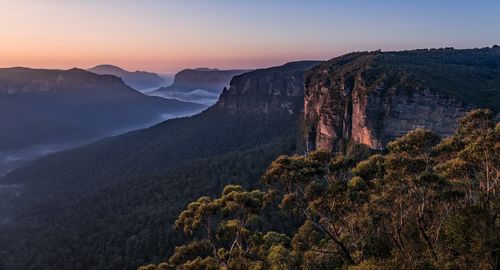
169, 35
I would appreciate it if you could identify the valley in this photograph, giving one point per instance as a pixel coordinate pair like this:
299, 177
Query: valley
46, 107
249, 135
13, 159
10, 160
145, 177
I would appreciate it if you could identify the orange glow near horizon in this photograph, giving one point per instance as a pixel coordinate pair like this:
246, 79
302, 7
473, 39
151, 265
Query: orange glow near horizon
38, 35
167, 36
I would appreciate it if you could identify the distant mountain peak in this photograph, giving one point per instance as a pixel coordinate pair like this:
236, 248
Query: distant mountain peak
206, 69
139, 80
107, 67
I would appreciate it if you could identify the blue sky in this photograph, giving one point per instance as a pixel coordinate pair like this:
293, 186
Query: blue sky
169, 35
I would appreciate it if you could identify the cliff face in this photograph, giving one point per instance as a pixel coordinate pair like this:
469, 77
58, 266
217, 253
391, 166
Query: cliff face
377, 117
277, 90
373, 98
203, 78
213, 80
202, 85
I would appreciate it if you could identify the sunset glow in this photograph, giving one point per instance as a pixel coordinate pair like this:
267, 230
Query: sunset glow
171, 35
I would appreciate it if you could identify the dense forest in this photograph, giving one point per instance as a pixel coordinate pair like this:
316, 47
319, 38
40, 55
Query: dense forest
116, 222
424, 203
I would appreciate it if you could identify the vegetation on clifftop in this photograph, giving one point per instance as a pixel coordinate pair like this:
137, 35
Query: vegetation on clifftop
471, 76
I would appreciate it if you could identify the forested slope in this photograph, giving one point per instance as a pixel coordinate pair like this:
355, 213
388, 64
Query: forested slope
141, 179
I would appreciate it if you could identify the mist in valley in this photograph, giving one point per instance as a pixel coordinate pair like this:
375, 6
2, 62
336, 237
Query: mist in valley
199, 96
13, 159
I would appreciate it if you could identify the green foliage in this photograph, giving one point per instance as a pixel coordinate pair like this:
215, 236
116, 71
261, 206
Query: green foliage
425, 204
227, 227
473, 234
373, 167
279, 258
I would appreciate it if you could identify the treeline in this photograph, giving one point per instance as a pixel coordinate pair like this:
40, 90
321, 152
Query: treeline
425, 203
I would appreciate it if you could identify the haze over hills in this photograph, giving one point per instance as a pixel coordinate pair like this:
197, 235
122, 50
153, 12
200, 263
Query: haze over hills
155, 149
201, 85
128, 189
212, 147
140, 80
47, 107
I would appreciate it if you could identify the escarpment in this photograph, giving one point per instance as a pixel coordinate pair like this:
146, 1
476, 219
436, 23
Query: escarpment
277, 90
373, 98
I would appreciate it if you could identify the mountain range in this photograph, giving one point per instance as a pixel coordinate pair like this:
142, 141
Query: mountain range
217, 145
142, 81
46, 107
200, 85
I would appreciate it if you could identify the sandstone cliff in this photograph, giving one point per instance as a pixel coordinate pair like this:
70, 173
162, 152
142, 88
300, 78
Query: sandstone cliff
267, 91
204, 78
372, 98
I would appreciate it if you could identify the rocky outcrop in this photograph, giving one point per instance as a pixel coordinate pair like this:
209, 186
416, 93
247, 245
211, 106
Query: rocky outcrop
205, 78
373, 98
267, 91
213, 80
378, 117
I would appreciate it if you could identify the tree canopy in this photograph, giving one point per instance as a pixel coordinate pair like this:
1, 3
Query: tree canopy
424, 203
